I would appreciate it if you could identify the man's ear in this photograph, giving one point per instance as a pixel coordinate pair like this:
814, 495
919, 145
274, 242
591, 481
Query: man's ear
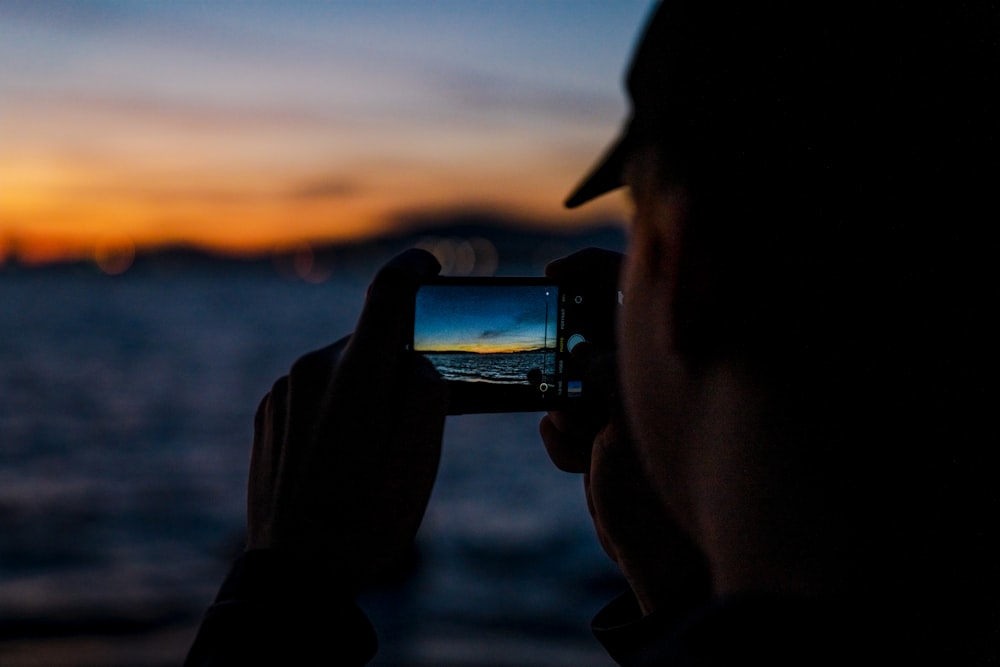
666, 210
657, 247
670, 219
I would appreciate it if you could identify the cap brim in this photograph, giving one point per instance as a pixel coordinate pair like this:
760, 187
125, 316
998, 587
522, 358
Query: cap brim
604, 177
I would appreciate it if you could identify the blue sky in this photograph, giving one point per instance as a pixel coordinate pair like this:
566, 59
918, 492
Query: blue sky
485, 319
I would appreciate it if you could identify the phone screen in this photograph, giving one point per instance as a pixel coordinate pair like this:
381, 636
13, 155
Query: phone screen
502, 344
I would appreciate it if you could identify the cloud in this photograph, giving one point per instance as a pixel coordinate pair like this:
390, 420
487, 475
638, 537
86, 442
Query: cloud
163, 109
328, 188
72, 15
493, 333
485, 92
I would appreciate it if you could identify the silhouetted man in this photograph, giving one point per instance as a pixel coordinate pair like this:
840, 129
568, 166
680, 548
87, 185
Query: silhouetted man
796, 472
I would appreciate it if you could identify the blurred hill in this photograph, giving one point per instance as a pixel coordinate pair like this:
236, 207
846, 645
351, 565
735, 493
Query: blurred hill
465, 243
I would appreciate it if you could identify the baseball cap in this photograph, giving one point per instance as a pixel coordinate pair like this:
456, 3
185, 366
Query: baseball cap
648, 71
732, 84
710, 78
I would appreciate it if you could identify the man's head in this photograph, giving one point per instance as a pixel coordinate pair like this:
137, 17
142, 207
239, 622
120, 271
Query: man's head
810, 185
828, 157
791, 126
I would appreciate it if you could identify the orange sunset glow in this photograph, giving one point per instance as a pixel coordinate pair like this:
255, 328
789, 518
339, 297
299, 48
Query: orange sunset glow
480, 348
236, 129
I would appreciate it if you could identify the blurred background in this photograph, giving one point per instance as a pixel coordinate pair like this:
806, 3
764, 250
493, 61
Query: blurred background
194, 194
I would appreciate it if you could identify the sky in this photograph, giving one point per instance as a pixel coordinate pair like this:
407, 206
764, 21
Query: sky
238, 127
485, 319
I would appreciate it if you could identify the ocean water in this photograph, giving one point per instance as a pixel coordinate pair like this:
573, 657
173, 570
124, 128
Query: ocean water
497, 367
126, 408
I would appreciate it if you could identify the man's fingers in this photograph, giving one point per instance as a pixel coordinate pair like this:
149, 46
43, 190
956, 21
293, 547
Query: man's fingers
367, 384
593, 265
384, 325
269, 424
265, 463
600, 369
568, 453
310, 381
412, 455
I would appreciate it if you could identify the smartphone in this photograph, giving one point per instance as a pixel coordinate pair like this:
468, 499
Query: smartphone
506, 344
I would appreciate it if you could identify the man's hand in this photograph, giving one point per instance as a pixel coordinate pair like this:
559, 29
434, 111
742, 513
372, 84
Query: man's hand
346, 446
660, 562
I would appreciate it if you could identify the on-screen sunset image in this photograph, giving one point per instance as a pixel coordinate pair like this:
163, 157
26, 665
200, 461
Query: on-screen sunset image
489, 335
485, 320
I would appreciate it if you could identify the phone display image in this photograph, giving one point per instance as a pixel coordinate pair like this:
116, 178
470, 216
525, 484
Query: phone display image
500, 335
505, 344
